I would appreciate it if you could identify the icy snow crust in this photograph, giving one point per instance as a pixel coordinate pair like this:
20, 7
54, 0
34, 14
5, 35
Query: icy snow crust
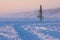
7, 32
29, 32
42, 32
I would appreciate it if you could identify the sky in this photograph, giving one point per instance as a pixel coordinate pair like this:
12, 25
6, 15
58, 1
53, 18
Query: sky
27, 5
12, 5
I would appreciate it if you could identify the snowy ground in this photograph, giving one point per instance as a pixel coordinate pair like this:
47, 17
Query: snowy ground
9, 32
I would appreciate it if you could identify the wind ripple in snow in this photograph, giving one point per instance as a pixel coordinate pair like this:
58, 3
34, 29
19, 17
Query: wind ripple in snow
39, 31
7, 32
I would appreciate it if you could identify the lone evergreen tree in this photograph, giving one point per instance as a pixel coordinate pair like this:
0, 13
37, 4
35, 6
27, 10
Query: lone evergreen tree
40, 13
